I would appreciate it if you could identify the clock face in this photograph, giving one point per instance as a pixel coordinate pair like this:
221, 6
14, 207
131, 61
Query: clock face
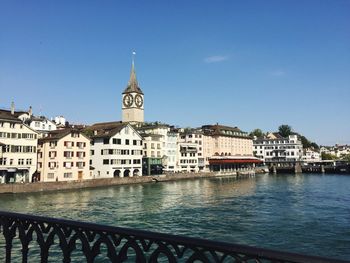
138, 100
128, 100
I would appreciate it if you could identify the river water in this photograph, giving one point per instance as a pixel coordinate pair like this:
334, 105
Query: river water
307, 214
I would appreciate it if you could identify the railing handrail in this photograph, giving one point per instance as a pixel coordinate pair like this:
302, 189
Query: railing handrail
180, 240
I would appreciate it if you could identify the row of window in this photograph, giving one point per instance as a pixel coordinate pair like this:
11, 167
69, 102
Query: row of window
68, 144
3, 161
15, 135
11, 125
19, 149
119, 141
188, 154
120, 161
53, 165
118, 152
188, 161
275, 142
65, 175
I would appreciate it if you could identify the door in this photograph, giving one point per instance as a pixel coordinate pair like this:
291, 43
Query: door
80, 175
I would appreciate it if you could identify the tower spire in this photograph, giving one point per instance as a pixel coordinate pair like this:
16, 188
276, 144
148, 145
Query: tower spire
133, 85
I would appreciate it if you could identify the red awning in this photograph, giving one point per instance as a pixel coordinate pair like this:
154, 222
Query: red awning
234, 161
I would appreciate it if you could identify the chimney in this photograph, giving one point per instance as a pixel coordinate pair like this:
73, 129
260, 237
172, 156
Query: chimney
30, 111
12, 108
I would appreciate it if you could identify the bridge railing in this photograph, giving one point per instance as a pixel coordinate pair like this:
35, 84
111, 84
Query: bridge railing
31, 238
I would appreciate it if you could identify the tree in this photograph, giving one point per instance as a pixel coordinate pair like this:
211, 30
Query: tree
346, 157
285, 130
327, 156
257, 133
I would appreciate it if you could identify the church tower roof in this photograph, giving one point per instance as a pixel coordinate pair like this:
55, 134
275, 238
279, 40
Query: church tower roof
133, 85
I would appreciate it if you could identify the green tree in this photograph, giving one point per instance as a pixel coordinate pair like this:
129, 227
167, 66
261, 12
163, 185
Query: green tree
285, 130
257, 133
346, 157
327, 156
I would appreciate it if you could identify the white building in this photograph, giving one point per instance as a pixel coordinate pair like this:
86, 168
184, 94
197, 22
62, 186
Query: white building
170, 164
18, 149
194, 136
187, 157
116, 150
60, 121
336, 150
63, 155
277, 150
160, 141
42, 125
311, 156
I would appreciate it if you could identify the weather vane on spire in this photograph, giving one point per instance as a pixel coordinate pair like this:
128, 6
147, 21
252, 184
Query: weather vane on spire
133, 57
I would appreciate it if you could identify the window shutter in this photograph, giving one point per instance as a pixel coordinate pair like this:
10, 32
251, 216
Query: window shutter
65, 143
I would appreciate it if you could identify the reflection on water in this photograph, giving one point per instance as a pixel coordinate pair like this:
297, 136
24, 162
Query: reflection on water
302, 213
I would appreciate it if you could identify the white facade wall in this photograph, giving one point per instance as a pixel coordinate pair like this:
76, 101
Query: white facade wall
18, 157
187, 157
117, 156
171, 152
42, 125
279, 150
311, 156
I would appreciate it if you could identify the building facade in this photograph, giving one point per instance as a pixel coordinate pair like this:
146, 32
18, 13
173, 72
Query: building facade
116, 150
63, 155
42, 125
279, 151
18, 149
311, 156
187, 157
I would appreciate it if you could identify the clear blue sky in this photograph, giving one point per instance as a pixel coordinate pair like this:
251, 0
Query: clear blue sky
251, 64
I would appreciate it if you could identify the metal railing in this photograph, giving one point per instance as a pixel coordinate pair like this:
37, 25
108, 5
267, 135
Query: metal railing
35, 237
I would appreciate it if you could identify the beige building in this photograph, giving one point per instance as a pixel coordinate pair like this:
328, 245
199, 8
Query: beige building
18, 149
133, 100
64, 156
219, 140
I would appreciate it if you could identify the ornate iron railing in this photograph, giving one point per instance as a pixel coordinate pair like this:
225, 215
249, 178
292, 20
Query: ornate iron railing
30, 238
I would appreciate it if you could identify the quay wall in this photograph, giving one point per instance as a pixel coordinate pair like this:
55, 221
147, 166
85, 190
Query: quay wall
57, 186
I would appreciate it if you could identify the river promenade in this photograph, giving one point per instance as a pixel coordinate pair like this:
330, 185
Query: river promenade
69, 185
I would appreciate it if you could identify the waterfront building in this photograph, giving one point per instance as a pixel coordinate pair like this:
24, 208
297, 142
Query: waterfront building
277, 150
18, 148
170, 163
187, 157
133, 100
153, 150
311, 156
63, 155
160, 146
193, 136
219, 140
116, 150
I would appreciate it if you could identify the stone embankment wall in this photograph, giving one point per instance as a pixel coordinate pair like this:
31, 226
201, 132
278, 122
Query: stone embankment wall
54, 186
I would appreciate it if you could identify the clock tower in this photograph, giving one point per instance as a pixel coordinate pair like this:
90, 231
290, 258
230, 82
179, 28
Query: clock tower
132, 109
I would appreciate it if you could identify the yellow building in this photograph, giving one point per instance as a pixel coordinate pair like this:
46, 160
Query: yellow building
64, 156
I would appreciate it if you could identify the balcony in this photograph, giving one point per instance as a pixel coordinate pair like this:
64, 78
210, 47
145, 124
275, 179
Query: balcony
27, 237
